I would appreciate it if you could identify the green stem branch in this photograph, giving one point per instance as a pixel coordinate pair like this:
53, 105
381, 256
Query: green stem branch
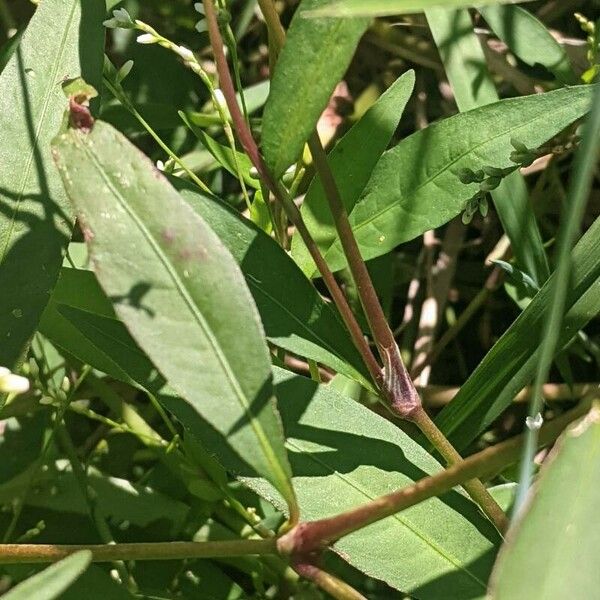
45, 553
312, 536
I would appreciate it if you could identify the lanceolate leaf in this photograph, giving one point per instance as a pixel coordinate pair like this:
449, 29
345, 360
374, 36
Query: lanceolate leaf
52, 581
510, 365
352, 161
178, 290
315, 56
415, 186
343, 455
552, 551
35, 218
294, 315
473, 86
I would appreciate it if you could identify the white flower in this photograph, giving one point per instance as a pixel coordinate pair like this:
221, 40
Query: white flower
534, 423
185, 53
146, 38
11, 383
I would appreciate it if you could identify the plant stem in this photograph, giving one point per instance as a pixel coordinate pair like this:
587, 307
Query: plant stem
312, 536
335, 587
393, 381
120, 95
474, 487
249, 145
309, 536
398, 387
44, 553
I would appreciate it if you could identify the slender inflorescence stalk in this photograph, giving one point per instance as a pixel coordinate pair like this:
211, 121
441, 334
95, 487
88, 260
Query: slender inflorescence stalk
311, 536
393, 381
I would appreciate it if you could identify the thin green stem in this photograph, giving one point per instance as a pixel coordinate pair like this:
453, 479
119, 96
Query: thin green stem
330, 584
121, 96
91, 500
58, 418
45, 553
474, 487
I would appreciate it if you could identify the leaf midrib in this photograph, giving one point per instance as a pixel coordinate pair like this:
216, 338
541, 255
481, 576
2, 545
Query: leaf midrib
183, 291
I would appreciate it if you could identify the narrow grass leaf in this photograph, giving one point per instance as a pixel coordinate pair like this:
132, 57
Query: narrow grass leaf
552, 552
473, 86
179, 291
585, 167
512, 362
415, 185
315, 57
352, 161
529, 39
35, 217
343, 455
52, 581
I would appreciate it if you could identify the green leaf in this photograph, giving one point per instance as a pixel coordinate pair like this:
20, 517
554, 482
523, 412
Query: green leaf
352, 161
382, 8
343, 455
35, 217
552, 552
415, 186
529, 39
178, 290
315, 57
294, 315
510, 365
53, 581
473, 86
